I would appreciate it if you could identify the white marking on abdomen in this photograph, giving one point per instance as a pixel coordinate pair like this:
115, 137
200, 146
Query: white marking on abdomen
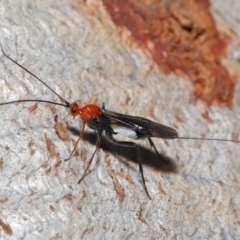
125, 132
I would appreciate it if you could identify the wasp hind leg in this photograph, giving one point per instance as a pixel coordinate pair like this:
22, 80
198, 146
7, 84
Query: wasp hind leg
133, 145
155, 149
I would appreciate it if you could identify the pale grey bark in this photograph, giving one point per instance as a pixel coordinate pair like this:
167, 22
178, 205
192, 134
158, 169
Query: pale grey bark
81, 55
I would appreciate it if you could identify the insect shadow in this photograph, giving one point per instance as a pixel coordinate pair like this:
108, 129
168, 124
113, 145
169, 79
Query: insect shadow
159, 162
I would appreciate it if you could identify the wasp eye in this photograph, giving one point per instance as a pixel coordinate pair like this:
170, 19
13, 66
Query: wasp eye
73, 110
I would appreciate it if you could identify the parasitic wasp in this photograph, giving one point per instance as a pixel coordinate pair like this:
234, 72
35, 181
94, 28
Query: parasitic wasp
111, 123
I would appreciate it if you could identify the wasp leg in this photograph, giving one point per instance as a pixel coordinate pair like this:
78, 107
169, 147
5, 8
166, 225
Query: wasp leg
75, 146
103, 105
99, 135
130, 144
153, 146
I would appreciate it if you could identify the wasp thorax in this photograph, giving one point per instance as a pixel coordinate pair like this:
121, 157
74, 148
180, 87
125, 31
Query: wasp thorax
89, 112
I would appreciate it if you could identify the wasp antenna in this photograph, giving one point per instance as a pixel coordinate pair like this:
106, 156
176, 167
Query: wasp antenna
66, 102
35, 100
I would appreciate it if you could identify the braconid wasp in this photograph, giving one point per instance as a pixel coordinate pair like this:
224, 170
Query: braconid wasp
111, 123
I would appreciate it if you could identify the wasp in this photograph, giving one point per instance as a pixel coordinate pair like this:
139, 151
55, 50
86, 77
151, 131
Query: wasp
111, 123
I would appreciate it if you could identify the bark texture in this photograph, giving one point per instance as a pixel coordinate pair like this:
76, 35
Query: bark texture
76, 48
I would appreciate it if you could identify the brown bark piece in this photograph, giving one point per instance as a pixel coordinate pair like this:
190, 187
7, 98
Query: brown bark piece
181, 37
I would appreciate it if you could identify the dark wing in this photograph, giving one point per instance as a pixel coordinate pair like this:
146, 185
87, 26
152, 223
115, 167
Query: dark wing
153, 129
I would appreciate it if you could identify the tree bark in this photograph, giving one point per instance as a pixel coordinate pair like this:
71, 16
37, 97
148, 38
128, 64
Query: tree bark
76, 49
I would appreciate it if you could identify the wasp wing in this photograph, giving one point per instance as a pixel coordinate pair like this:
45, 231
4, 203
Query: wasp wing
152, 129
